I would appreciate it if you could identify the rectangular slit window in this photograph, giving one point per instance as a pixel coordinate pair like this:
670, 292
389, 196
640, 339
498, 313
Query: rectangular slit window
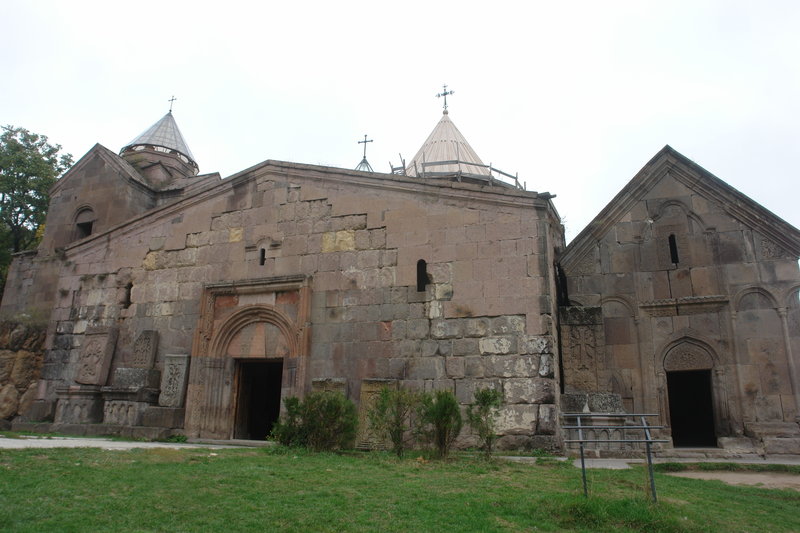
673, 249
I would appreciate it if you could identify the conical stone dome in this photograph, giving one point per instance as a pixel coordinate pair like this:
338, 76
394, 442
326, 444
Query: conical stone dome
160, 153
446, 152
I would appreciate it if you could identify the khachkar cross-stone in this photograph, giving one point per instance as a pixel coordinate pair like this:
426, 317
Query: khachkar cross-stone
583, 346
364, 142
170, 102
445, 93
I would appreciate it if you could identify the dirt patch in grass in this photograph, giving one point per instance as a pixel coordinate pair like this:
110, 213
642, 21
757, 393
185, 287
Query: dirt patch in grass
767, 480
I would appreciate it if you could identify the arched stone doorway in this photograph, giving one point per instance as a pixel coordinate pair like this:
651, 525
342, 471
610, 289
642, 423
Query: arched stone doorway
689, 368
258, 349
250, 350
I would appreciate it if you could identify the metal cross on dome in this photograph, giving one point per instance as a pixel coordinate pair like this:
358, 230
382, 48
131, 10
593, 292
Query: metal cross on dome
170, 102
444, 93
364, 142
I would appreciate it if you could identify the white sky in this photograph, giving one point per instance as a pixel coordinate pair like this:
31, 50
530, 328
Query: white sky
574, 96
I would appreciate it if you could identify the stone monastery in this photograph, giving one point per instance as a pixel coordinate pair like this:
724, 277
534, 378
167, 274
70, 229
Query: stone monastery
185, 303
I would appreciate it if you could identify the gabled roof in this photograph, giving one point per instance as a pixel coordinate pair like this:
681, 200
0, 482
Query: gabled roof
699, 180
164, 133
449, 150
113, 160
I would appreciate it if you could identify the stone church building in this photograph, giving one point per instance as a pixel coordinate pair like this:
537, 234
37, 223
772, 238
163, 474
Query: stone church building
181, 302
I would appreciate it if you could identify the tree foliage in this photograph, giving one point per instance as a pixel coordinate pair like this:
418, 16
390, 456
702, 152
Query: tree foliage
439, 420
29, 166
482, 417
391, 416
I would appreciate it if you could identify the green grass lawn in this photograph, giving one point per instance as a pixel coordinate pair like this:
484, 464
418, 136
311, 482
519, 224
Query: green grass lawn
288, 490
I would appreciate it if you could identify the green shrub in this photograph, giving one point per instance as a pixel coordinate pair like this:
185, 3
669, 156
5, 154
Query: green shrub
324, 420
289, 429
439, 420
482, 416
330, 421
390, 416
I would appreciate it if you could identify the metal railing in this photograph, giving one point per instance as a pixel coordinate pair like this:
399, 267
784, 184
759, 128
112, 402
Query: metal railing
643, 427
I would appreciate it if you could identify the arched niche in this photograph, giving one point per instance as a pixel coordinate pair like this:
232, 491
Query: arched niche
84, 222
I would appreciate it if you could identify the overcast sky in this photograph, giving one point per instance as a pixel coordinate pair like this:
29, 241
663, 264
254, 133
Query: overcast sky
574, 96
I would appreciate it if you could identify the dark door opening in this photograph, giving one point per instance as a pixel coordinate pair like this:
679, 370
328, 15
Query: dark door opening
259, 398
691, 410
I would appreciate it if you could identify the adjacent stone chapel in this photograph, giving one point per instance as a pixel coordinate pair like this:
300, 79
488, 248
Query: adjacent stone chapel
181, 302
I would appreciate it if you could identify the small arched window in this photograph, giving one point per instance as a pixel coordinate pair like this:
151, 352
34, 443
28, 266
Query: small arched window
84, 222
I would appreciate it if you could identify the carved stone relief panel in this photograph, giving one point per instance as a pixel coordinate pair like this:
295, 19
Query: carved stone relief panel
581, 352
95, 358
330, 385
144, 349
687, 356
771, 250
583, 347
173, 380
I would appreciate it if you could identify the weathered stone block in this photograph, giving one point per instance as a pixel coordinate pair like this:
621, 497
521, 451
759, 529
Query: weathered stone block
605, 403
774, 445
446, 329
397, 368
124, 413
26, 369
498, 345
173, 380
427, 368
163, 417
429, 348
522, 390
517, 419
27, 398
474, 367
79, 405
454, 367
7, 359
330, 385
546, 365
576, 315
41, 411
536, 344
465, 388
511, 366
505, 325
548, 420
476, 327
465, 347
417, 328
135, 378
9, 401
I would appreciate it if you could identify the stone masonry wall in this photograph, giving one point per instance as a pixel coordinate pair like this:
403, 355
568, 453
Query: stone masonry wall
20, 364
484, 318
719, 297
